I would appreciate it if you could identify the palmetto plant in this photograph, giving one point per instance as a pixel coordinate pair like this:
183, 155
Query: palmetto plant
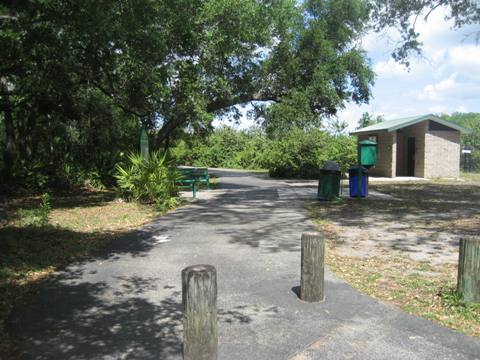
151, 180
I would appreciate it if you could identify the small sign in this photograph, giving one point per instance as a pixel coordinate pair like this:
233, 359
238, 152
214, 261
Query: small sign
466, 151
144, 143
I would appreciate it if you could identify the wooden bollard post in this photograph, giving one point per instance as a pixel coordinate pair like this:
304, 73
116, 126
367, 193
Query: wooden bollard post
200, 329
468, 281
312, 268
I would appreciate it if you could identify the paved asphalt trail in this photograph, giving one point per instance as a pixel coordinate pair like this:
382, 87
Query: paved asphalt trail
125, 302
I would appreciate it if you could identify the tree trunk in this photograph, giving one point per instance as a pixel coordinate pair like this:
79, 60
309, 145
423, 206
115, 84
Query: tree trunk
162, 139
10, 151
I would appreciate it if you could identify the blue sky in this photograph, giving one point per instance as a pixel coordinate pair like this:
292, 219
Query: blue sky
444, 79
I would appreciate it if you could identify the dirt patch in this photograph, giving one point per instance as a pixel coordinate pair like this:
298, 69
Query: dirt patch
422, 221
404, 249
417, 287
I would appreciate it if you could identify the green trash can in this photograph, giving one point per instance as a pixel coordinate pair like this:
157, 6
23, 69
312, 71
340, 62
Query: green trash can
329, 181
367, 153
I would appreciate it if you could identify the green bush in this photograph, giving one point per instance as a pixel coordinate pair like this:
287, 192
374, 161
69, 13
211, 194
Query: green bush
220, 149
297, 153
301, 154
151, 180
225, 147
37, 216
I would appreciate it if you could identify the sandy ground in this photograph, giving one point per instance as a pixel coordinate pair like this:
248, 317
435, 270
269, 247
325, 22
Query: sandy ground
423, 220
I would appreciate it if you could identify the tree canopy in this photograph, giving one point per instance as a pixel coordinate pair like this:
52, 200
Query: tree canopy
79, 78
368, 119
74, 72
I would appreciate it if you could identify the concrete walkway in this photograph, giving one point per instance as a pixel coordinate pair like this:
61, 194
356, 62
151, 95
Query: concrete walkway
125, 302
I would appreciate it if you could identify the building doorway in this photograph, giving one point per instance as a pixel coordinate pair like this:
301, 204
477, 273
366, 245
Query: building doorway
411, 156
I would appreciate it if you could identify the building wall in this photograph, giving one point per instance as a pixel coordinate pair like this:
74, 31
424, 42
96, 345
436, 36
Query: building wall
386, 153
401, 155
437, 152
442, 155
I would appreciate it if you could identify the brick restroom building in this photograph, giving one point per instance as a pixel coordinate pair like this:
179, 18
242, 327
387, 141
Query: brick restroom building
422, 146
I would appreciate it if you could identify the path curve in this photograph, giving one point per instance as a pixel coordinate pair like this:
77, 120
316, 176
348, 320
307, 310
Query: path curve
125, 301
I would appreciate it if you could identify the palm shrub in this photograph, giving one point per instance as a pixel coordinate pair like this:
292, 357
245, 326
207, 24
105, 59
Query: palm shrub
151, 180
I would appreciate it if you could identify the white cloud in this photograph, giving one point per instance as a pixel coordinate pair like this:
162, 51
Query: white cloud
466, 60
439, 109
450, 89
390, 69
352, 114
440, 90
381, 43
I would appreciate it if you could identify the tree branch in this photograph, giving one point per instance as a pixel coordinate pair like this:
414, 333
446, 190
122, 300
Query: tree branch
118, 103
226, 103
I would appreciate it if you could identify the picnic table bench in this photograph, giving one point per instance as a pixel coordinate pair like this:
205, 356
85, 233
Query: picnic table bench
192, 178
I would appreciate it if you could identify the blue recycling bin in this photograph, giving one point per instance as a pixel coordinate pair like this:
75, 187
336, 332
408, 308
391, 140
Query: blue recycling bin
353, 174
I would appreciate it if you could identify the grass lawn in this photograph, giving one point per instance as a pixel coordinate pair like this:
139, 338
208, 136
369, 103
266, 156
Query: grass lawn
35, 243
404, 250
471, 177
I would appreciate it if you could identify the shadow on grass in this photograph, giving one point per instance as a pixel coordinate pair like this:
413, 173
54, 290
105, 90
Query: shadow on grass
422, 217
24, 250
431, 204
455, 192
34, 248
10, 206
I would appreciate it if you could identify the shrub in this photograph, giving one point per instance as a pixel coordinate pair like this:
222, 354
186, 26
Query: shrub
296, 153
301, 153
151, 180
225, 147
38, 216
220, 149
44, 209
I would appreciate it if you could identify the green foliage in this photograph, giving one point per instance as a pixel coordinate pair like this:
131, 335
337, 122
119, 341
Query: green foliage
453, 301
368, 119
37, 216
151, 180
317, 65
302, 154
44, 209
298, 153
229, 148
78, 78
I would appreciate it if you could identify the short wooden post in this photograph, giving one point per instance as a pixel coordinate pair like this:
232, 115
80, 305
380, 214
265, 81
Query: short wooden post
200, 328
312, 268
468, 281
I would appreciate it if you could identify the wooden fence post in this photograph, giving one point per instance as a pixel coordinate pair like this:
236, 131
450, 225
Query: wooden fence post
200, 328
312, 268
468, 281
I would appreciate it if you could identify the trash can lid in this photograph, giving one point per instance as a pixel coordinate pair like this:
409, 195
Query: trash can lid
368, 142
354, 170
331, 166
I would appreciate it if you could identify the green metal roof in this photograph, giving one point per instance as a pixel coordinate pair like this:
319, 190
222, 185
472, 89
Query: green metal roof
395, 124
